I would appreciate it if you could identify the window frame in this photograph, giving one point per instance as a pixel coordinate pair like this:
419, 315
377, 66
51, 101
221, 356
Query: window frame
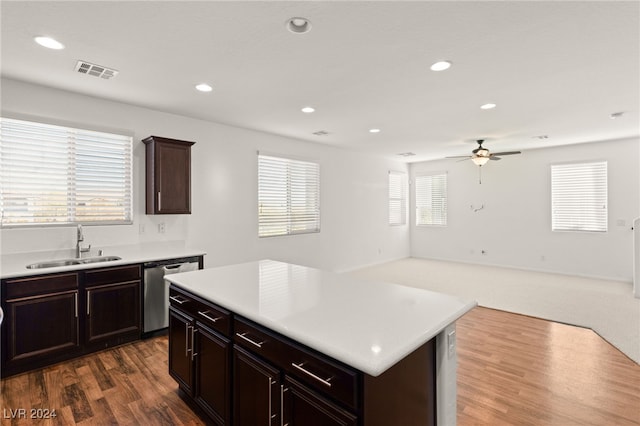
402, 199
291, 224
590, 219
79, 149
445, 214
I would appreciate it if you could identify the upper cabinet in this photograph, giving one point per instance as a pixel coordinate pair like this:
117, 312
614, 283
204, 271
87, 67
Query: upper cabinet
168, 175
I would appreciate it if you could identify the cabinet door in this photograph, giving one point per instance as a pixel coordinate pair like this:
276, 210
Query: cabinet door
173, 178
180, 349
168, 176
213, 362
113, 310
256, 391
42, 326
303, 407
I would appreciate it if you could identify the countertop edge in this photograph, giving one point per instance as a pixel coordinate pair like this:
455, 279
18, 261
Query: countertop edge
14, 265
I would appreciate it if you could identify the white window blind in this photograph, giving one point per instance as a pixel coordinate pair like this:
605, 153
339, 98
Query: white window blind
579, 197
54, 175
397, 198
288, 196
431, 199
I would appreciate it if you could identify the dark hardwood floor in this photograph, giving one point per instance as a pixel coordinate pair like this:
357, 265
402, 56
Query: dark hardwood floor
513, 370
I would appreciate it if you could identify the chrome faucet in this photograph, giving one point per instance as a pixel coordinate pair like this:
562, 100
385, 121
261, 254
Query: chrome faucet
79, 248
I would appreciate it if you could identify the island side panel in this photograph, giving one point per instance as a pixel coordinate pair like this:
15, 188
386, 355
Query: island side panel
405, 394
446, 375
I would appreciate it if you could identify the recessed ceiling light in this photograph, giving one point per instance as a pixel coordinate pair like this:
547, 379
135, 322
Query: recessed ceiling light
49, 43
440, 66
374, 130
204, 87
308, 110
488, 106
298, 25
406, 154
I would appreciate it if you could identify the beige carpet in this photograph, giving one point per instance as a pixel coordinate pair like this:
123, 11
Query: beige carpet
607, 307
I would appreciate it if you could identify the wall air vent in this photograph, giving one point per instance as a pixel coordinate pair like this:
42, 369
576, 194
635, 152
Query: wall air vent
85, 67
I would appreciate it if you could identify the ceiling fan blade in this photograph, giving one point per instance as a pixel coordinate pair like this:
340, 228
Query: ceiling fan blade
494, 158
507, 153
459, 156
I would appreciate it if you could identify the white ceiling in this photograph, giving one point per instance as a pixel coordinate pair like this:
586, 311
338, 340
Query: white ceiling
553, 68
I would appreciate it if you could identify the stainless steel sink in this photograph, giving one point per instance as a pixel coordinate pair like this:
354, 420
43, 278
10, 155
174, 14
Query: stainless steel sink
69, 262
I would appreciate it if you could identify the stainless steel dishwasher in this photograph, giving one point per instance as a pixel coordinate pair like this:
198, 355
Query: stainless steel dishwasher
156, 290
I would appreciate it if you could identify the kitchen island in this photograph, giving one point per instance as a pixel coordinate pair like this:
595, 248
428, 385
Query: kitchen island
268, 342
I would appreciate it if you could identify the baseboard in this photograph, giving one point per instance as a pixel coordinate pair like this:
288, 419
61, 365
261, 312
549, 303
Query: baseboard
521, 268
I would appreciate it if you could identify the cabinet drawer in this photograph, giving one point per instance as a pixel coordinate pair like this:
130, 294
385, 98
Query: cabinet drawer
112, 275
219, 319
33, 286
214, 316
309, 366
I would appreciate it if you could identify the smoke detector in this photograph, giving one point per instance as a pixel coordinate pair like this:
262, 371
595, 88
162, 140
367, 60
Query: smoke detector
85, 67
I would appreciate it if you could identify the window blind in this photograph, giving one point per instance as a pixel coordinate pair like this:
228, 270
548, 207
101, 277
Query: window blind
397, 198
55, 175
579, 197
431, 199
288, 196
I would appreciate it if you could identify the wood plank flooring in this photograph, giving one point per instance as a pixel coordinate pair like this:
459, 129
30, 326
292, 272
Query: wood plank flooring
513, 370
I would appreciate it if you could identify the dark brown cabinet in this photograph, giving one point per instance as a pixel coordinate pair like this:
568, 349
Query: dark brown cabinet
112, 305
256, 390
168, 175
200, 353
258, 377
212, 373
180, 349
41, 322
55, 317
302, 406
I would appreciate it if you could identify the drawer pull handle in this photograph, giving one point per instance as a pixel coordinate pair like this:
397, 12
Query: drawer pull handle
204, 314
256, 344
178, 300
310, 374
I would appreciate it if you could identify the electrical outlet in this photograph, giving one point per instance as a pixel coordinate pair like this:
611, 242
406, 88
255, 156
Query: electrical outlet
451, 344
141, 228
161, 228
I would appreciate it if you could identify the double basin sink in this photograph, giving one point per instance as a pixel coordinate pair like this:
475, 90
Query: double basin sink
69, 262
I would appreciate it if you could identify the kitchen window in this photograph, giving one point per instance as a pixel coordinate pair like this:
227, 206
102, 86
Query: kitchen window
431, 199
579, 197
397, 198
56, 175
288, 196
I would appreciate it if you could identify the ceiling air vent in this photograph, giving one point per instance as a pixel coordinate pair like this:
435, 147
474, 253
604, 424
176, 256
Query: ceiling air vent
321, 133
85, 67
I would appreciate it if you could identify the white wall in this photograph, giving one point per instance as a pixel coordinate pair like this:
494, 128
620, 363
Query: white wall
354, 204
514, 227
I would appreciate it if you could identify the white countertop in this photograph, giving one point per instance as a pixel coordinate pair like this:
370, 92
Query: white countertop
367, 325
15, 265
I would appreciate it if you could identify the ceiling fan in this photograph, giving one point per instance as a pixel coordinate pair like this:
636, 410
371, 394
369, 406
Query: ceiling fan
481, 155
